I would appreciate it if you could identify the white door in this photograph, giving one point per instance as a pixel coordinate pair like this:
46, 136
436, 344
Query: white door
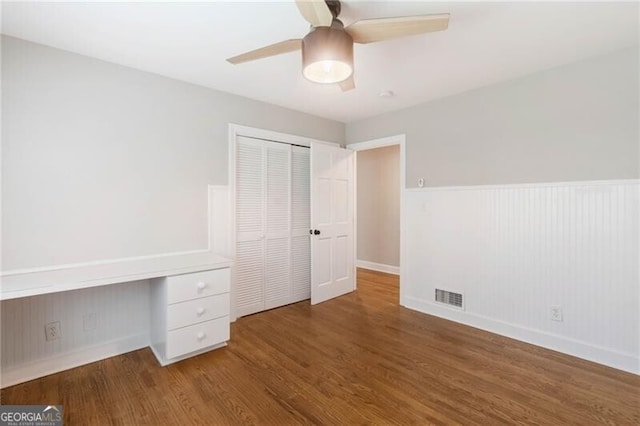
332, 200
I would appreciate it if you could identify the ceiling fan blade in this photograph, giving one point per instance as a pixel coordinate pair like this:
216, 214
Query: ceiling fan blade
372, 30
316, 12
271, 50
348, 84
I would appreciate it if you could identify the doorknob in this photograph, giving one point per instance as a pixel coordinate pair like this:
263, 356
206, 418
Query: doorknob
316, 232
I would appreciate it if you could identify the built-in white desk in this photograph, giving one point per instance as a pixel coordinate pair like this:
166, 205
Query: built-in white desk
190, 301
86, 275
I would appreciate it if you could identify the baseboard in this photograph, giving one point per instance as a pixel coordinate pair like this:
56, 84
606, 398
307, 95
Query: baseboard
25, 372
378, 267
621, 361
164, 362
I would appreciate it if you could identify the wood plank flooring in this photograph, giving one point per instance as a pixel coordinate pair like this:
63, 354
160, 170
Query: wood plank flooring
359, 359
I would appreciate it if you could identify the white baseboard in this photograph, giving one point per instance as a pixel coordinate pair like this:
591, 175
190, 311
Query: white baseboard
55, 364
378, 267
621, 361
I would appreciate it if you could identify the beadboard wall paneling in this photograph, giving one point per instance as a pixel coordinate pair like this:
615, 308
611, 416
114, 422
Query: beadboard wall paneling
121, 313
517, 250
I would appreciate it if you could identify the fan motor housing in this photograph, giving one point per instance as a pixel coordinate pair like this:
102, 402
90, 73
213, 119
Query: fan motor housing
327, 54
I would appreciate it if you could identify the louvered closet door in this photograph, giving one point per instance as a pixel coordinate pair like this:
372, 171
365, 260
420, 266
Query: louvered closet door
277, 289
250, 229
273, 253
300, 223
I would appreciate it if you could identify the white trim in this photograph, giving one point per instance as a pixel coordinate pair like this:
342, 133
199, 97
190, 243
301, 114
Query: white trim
378, 143
400, 140
50, 268
164, 362
380, 267
234, 131
528, 185
256, 133
622, 361
55, 364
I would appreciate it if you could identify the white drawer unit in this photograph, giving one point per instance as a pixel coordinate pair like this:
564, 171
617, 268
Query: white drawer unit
189, 314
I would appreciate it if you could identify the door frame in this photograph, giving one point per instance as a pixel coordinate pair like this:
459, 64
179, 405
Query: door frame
236, 130
399, 140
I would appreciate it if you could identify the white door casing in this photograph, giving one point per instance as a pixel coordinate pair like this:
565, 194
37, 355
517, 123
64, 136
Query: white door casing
332, 219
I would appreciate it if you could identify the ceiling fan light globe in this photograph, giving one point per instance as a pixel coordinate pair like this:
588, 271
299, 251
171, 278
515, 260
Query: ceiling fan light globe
327, 55
327, 71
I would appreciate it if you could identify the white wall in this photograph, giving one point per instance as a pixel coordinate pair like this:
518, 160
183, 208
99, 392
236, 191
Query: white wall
378, 195
575, 122
102, 162
516, 250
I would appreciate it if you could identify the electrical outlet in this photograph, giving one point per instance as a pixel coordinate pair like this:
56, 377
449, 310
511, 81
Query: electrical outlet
89, 322
52, 331
556, 313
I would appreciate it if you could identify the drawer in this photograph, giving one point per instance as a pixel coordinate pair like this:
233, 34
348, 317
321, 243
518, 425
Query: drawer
195, 337
199, 284
197, 310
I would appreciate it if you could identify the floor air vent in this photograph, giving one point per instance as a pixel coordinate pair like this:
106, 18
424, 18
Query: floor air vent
449, 298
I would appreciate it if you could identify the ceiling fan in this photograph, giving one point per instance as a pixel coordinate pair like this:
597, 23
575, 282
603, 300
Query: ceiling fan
327, 50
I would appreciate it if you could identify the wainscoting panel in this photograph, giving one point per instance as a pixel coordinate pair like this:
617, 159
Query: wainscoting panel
517, 252
95, 323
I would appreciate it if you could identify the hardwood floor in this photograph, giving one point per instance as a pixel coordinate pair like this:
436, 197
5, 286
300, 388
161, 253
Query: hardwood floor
358, 359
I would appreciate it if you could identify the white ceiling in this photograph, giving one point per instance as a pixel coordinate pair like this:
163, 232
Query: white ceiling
485, 43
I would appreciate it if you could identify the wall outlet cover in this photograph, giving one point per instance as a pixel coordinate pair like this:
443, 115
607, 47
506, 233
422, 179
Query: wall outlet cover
556, 313
52, 331
89, 322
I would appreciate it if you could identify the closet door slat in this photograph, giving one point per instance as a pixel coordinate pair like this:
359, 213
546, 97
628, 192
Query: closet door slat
250, 253
249, 186
278, 224
249, 277
301, 223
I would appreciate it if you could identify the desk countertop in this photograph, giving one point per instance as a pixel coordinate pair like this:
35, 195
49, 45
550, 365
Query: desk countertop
13, 286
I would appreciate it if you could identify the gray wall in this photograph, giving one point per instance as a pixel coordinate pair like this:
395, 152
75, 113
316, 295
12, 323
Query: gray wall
379, 205
575, 122
102, 161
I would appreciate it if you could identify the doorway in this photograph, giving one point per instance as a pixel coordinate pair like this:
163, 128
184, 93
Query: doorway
380, 186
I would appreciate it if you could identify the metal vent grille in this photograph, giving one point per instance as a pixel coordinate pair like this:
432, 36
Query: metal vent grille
449, 298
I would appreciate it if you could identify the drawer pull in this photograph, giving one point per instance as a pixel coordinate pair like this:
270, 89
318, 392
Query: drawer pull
201, 285
200, 335
200, 311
